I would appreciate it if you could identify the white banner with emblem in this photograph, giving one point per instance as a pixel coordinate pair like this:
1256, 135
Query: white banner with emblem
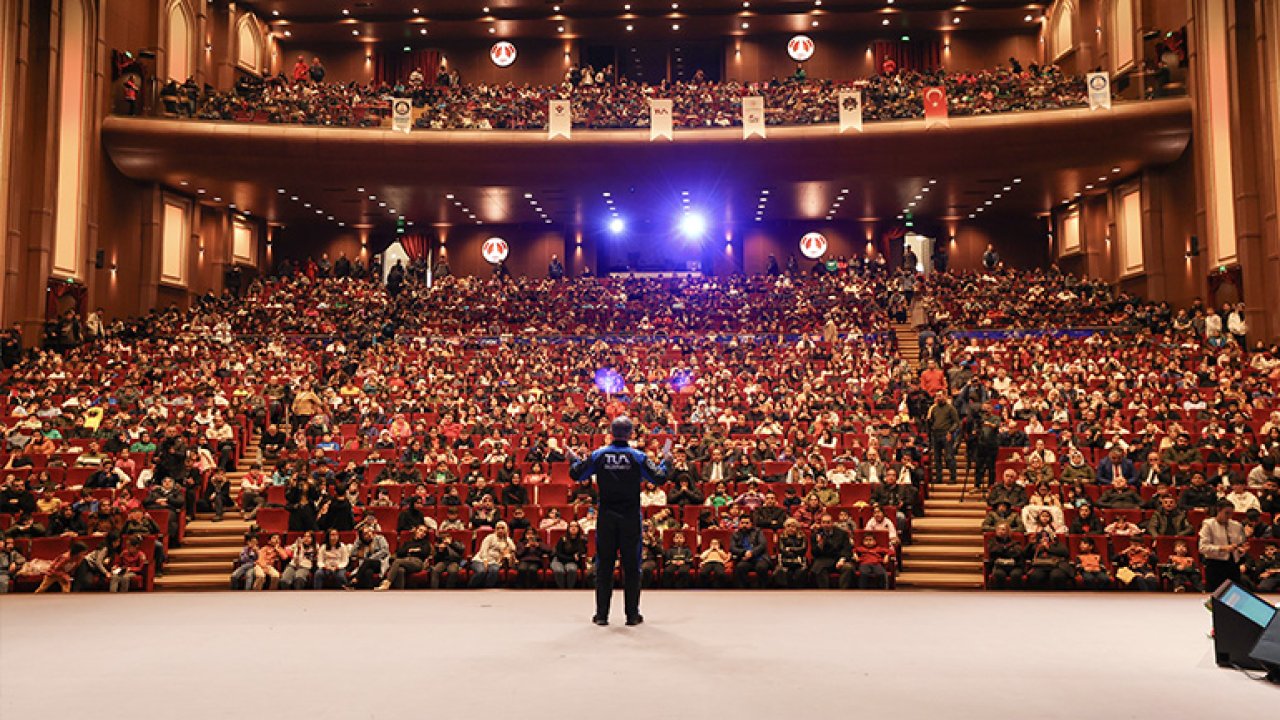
660, 119
1099, 91
559, 119
850, 110
401, 115
752, 116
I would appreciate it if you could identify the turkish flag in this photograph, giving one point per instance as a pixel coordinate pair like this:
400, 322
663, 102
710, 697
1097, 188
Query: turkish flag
935, 106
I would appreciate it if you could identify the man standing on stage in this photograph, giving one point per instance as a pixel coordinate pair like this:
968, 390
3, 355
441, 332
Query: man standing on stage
620, 470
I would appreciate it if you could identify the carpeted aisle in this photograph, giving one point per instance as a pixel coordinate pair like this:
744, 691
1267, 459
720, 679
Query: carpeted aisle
534, 655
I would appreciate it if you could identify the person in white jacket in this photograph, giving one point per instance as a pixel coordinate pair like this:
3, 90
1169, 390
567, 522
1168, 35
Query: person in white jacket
332, 559
496, 550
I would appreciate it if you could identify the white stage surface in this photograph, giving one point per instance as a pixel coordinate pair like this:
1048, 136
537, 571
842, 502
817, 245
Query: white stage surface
498, 654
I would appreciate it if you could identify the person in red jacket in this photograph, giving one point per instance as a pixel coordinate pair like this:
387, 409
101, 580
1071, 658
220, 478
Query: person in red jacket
301, 70
871, 563
128, 565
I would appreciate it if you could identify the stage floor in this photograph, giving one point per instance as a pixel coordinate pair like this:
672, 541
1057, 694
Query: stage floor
490, 654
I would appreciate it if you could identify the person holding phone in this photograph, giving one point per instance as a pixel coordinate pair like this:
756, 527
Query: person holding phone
620, 470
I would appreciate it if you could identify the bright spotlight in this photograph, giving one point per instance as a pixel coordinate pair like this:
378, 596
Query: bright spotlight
617, 225
693, 225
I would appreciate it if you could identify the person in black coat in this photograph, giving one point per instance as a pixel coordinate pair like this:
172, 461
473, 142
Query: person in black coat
411, 557
410, 517
750, 552
831, 551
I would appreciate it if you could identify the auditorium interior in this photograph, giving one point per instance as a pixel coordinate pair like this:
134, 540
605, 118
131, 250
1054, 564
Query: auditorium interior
939, 320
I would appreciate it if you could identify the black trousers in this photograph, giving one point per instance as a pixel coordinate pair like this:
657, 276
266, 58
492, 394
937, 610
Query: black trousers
618, 535
984, 473
1217, 572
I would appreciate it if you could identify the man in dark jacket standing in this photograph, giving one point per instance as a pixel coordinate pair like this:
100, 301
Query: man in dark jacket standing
942, 421
620, 471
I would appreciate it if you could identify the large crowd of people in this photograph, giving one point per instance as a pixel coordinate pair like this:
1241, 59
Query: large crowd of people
420, 434
697, 103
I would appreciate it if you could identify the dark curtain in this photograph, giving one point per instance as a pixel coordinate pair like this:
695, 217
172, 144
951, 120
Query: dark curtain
392, 65
920, 55
417, 246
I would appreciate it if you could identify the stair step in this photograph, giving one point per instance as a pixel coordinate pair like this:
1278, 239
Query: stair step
928, 565
925, 524
215, 540
961, 512
950, 538
203, 553
226, 516
943, 552
202, 581
199, 567
197, 528
940, 580
969, 503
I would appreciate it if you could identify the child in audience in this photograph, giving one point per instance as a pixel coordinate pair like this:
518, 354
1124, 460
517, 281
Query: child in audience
1182, 570
129, 563
871, 557
712, 562
242, 576
1090, 571
1137, 567
63, 567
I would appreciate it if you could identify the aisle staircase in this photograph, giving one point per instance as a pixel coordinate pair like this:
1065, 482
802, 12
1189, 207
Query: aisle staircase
946, 552
205, 558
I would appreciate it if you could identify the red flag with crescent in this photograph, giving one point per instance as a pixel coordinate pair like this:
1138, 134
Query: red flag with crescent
935, 106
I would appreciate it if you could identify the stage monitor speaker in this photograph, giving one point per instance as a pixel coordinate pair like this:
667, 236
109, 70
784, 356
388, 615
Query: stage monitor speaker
1267, 650
1239, 618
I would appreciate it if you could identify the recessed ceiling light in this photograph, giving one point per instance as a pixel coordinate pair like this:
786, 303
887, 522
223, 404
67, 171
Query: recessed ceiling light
346, 11
415, 11
560, 28
288, 33
492, 31
1115, 170
423, 31
359, 189
675, 26
885, 21
746, 26
1007, 188
630, 28
449, 197
217, 199
955, 21
355, 32
1027, 18
814, 23
997, 196
986, 202
1017, 180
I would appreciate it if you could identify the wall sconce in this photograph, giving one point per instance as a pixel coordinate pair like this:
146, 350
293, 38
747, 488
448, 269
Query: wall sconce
1193, 247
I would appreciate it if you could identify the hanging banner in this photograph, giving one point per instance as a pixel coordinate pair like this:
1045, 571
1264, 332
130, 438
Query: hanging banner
401, 115
559, 119
851, 110
495, 250
660, 119
502, 54
813, 245
752, 116
800, 48
1099, 91
935, 107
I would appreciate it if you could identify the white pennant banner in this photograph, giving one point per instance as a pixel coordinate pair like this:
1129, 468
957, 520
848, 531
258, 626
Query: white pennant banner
851, 110
559, 119
1099, 91
660, 119
401, 115
752, 116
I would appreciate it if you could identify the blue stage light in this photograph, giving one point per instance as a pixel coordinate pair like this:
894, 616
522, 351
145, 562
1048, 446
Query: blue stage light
693, 225
617, 225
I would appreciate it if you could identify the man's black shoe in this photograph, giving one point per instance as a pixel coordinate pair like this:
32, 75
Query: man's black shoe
599, 620
635, 620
